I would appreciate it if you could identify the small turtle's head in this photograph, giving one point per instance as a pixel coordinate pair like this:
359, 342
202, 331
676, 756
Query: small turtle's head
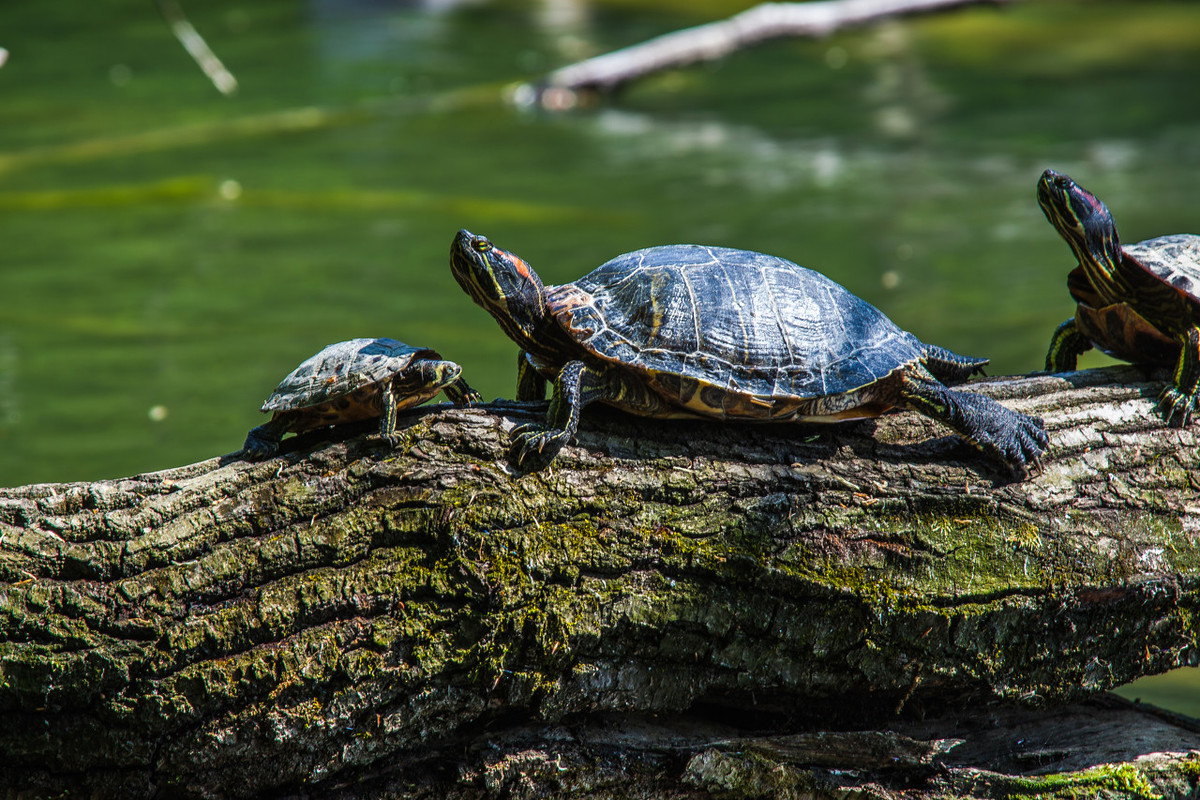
1085, 222
502, 283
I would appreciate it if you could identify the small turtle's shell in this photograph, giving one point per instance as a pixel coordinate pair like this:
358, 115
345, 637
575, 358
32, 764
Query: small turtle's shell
734, 333
342, 369
1121, 329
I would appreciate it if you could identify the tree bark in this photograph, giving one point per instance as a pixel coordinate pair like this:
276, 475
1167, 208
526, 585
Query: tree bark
673, 609
609, 72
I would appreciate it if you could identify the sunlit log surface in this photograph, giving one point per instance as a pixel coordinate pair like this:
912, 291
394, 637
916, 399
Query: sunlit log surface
677, 609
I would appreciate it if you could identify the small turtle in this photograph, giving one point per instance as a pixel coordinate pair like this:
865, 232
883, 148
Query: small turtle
693, 331
1137, 302
353, 380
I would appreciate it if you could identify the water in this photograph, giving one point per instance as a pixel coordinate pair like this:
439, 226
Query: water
170, 253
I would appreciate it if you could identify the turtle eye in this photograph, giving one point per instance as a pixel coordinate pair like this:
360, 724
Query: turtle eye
481, 244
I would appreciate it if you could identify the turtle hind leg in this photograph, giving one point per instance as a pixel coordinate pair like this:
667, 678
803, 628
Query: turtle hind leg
951, 368
1066, 345
263, 442
1000, 432
1177, 402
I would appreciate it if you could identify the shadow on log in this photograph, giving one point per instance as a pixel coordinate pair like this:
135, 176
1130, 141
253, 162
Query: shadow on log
674, 609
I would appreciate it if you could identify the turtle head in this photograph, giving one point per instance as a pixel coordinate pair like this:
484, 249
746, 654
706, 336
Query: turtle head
502, 283
1085, 222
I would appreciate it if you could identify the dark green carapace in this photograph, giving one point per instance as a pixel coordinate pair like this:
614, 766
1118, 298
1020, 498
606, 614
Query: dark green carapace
1138, 302
693, 331
353, 380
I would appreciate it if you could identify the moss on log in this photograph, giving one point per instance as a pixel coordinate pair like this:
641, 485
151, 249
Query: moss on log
653, 616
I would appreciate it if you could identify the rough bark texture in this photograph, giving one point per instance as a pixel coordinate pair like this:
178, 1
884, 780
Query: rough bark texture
609, 72
672, 610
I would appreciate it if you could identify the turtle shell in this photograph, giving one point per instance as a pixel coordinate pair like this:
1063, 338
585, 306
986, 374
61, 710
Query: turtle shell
342, 369
1122, 329
733, 332
1174, 260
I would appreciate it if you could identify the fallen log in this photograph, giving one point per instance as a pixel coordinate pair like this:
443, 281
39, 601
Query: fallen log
667, 611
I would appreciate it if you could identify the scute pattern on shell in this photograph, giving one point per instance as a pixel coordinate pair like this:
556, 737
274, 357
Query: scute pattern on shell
1174, 259
342, 368
732, 320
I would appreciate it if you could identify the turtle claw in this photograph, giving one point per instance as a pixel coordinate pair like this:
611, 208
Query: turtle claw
1017, 440
535, 446
462, 395
1014, 438
1029, 440
1176, 406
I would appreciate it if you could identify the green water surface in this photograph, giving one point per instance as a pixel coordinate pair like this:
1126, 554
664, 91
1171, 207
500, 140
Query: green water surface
167, 254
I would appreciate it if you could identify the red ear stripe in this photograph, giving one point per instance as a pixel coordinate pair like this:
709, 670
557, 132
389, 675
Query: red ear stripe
521, 266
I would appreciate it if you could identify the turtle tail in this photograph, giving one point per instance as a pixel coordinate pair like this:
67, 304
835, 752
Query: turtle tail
949, 367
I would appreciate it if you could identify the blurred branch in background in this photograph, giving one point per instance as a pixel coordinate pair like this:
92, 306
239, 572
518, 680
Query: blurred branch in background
197, 48
609, 72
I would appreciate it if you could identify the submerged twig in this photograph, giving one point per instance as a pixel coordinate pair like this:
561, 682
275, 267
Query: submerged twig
197, 48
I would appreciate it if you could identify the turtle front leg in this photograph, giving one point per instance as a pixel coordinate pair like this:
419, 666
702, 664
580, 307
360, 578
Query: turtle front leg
1002, 433
387, 419
263, 442
417, 384
530, 384
576, 386
1066, 345
1178, 401
461, 394
444, 376
457, 390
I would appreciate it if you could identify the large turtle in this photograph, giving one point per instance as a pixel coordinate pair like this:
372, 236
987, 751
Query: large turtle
353, 380
693, 331
1137, 302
